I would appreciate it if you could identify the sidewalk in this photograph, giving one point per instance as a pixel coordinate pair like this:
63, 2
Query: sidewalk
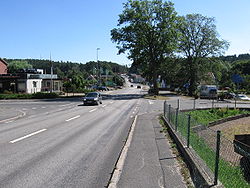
150, 162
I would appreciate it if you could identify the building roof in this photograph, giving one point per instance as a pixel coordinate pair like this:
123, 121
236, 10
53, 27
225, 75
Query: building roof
3, 61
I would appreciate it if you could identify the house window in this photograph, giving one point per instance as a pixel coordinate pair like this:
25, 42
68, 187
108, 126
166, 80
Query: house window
34, 84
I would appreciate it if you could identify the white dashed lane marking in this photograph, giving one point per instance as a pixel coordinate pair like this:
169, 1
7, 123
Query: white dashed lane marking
93, 110
73, 118
27, 136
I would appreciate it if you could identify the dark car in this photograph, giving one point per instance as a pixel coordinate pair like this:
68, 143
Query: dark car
139, 87
92, 98
102, 88
230, 95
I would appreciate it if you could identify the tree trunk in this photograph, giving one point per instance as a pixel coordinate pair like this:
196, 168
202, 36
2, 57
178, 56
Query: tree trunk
155, 84
193, 80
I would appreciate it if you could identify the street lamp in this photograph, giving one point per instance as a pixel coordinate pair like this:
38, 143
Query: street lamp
98, 67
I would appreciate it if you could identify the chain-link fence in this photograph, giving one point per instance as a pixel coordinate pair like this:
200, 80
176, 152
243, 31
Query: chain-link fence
218, 153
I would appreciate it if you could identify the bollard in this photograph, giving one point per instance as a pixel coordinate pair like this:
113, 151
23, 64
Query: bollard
217, 158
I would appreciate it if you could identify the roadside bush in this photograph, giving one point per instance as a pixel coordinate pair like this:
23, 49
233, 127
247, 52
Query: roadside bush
15, 96
40, 95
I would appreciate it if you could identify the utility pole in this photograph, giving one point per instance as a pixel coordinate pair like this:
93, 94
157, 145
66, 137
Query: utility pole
51, 74
98, 67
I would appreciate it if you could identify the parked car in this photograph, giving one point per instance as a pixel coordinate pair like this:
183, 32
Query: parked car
242, 97
102, 88
230, 95
92, 98
139, 87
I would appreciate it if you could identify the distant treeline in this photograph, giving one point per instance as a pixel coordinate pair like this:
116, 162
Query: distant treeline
68, 69
232, 58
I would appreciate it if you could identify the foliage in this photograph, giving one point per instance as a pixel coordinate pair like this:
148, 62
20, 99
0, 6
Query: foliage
38, 95
229, 175
198, 39
207, 116
75, 75
15, 65
147, 30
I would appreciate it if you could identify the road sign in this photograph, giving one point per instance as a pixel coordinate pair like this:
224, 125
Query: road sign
236, 78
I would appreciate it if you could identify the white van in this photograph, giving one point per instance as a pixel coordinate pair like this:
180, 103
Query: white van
208, 92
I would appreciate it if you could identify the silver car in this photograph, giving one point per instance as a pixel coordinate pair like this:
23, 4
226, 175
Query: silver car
92, 98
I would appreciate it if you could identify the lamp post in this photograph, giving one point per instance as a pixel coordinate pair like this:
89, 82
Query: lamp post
51, 74
98, 67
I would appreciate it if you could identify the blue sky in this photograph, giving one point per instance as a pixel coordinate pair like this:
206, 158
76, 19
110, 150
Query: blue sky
72, 30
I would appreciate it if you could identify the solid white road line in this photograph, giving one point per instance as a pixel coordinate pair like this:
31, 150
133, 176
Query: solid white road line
29, 135
93, 110
73, 118
120, 163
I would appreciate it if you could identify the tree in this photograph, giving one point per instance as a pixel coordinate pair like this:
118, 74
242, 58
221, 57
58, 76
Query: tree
15, 65
198, 39
147, 31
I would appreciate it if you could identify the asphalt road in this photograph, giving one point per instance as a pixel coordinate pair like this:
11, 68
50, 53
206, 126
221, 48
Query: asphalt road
61, 143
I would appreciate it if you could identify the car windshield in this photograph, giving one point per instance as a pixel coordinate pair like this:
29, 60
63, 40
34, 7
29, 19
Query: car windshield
242, 96
91, 95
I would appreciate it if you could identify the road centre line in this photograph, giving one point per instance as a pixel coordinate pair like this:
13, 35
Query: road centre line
151, 102
27, 136
93, 110
73, 118
66, 104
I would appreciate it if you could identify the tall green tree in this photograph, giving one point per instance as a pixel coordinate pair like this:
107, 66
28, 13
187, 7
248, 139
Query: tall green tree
147, 31
198, 39
15, 65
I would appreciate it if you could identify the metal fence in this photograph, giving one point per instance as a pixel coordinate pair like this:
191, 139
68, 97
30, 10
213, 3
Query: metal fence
218, 153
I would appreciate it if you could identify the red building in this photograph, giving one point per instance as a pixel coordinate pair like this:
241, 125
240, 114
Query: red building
3, 66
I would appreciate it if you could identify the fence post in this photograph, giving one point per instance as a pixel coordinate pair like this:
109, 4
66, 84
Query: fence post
169, 113
176, 119
164, 108
217, 158
194, 104
188, 133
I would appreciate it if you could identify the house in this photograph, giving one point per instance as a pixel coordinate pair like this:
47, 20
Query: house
136, 78
3, 66
30, 81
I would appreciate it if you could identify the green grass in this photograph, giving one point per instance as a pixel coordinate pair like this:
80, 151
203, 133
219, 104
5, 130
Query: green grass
230, 176
206, 116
